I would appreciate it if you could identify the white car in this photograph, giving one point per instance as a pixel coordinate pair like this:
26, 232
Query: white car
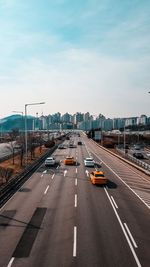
50, 161
89, 162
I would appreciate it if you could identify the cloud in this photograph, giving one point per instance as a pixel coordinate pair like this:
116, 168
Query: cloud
78, 80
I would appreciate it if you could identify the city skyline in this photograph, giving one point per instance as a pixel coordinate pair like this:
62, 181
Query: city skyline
82, 121
87, 113
90, 55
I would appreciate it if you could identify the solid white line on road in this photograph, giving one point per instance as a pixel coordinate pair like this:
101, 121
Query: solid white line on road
75, 200
75, 242
131, 237
76, 181
42, 175
46, 189
122, 180
123, 229
10, 263
53, 175
45, 171
65, 173
114, 202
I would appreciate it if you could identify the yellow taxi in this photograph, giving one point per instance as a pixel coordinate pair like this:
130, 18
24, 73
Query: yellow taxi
69, 161
98, 177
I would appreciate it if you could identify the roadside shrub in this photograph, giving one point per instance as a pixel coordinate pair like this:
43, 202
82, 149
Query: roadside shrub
5, 173
49, 143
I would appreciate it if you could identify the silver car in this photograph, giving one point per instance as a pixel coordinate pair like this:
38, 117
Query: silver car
89, 162
50, 161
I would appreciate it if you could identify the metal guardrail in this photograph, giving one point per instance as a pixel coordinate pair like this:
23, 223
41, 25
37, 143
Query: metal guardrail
6, 191
139, 162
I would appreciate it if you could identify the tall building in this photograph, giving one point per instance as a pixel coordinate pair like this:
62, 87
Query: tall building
86, 116
78, 117
66, 117
142, 120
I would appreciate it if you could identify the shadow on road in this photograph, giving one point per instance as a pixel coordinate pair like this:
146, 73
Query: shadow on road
111, 185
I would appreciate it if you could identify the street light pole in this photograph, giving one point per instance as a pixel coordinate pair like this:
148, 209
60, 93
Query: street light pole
124, 139
26, 131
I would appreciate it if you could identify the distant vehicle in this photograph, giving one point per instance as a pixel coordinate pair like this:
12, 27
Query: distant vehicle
61, 146
98, 177
137, 147
138, 155
71, 145
69, 161
89, 162
79, 143
50, 161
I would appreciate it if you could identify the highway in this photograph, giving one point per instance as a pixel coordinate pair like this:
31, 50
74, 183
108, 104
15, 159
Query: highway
59, 219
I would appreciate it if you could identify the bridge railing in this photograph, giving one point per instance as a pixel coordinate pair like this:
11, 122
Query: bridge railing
139, 162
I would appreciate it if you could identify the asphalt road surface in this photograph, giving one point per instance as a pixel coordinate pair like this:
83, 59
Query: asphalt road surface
59, 219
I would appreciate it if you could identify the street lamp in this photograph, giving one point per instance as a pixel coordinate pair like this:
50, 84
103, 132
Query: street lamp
26, 135
124, 139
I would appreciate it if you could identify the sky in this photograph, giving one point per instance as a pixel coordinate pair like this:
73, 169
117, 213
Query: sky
76, 56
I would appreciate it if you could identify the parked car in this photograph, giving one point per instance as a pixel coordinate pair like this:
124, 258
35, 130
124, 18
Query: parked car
98, 177
50, 161
89, 162
138, 155
69, 161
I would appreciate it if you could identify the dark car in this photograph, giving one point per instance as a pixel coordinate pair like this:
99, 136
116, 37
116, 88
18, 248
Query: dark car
79, 143
61, 147
138, 155
71, 145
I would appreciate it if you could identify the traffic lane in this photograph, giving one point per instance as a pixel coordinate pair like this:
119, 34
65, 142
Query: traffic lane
114, 185
81, 259
53, 245
100, 241
95, 148
132, 212
16, 213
